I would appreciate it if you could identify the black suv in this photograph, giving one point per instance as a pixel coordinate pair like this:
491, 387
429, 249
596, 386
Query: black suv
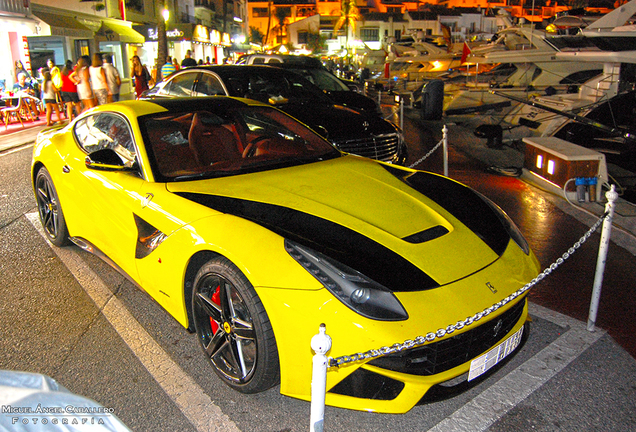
352, 131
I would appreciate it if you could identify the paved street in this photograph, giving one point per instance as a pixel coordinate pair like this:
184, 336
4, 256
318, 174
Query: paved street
66, 314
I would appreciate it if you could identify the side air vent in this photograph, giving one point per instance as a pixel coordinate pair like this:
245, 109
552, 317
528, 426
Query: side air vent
426, 235
148, 238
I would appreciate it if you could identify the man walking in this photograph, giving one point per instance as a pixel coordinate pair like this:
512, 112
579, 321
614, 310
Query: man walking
188, 60
167, 68
112, 78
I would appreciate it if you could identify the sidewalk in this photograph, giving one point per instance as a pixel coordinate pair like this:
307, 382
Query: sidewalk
18, 136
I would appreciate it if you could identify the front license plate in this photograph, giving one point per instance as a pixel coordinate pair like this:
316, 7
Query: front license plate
482, 363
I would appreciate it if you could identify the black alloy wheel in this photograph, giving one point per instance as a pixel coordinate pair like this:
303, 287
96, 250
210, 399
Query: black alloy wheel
233, 328
49, 209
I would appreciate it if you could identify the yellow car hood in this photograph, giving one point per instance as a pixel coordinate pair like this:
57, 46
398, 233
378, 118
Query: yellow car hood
367, 215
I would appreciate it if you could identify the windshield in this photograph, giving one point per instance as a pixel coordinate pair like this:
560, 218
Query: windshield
322, 79
271, 87
204, 144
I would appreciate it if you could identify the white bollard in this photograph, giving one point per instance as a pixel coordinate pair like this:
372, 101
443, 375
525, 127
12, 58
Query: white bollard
611, 196
445, 148
321, 344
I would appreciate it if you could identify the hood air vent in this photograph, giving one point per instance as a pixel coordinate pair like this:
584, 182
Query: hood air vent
427, 235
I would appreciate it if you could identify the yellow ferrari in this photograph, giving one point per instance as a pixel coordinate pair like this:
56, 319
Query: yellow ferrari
251, 230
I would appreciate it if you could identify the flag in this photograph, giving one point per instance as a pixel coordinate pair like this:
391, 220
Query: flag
465, 52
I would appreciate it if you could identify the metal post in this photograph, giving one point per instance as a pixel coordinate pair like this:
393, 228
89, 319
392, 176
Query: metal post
380, 98
611, 196
445, 148
402, 114
321, 344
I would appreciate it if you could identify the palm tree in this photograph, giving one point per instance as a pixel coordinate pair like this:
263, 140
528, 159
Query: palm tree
269, 22
349, 15
281, 17
256, 36
162, 40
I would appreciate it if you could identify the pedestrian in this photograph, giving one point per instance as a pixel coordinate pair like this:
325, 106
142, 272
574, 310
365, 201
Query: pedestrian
188, 61
19, 68
98, 80
112, 78
69, 92
175, 62
55, 73
167, 68
207, 60
56, 77
50, 92
81, 77
25, 87
140, 75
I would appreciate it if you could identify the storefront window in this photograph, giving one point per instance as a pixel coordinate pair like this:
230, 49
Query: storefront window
81, 48
41, 49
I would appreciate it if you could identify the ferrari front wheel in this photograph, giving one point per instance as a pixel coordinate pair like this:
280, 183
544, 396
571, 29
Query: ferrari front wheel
49, 209
233, 328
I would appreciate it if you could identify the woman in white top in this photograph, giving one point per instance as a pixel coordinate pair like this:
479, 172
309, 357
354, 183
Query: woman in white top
98, 80
80, 76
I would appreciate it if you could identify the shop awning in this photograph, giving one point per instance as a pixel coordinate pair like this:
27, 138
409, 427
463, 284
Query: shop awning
110, 31
63, 25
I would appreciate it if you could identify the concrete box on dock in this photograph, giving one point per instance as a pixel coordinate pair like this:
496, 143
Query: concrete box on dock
553, 162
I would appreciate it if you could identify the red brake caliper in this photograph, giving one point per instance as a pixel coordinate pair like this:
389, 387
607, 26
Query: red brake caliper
216, 298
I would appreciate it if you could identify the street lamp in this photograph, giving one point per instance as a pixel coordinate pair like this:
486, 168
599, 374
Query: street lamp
166, 14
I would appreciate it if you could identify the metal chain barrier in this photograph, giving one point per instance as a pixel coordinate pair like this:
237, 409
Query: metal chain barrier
393, 112
431, 336
430, 152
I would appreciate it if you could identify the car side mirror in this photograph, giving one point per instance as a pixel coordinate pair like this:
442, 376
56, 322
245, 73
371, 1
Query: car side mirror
106, 160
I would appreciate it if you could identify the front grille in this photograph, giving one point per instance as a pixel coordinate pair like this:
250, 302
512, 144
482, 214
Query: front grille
444, 355
368, 385
380, 147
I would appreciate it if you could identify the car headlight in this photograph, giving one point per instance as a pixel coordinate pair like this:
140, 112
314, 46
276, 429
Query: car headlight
361, 294
508, 224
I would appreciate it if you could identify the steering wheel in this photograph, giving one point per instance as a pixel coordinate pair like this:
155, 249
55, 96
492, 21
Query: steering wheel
251, 147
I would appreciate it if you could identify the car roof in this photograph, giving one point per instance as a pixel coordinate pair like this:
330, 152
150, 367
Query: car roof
233, 70
302, 60
241, 71
297, 66
213, 103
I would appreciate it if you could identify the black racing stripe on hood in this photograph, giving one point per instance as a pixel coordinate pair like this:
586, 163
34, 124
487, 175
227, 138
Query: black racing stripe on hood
336, 241
460, 201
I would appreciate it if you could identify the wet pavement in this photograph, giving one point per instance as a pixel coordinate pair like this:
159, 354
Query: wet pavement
550, 224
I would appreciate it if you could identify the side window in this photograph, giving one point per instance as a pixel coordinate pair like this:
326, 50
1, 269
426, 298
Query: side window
181, 85
209, 85
106, 130
269, 86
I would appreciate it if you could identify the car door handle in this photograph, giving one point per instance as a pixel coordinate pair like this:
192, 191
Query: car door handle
66, 169
146, 200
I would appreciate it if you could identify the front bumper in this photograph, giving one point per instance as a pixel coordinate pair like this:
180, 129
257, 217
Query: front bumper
396, 382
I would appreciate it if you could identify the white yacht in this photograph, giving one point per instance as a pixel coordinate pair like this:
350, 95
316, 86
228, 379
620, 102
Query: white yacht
606, 41
532, 67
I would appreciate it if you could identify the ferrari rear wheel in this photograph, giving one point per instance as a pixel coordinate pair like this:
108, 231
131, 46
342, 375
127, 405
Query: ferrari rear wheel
49, 209
233, 328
